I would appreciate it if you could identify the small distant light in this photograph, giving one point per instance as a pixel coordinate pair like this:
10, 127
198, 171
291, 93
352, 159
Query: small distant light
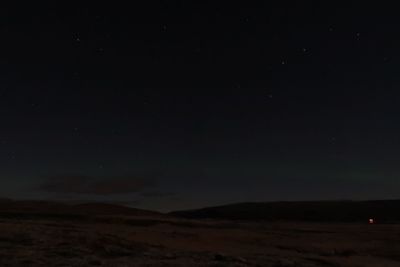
371, 221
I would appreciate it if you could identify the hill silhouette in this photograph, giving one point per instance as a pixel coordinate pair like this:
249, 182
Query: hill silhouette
58, 209
383, 211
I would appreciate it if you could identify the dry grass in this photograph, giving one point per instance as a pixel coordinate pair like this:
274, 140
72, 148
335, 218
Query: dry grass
133, 241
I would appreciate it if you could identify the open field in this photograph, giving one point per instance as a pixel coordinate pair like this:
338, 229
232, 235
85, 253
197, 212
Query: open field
28, 239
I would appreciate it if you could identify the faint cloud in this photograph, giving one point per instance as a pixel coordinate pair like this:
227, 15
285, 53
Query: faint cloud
100, 186
157, 194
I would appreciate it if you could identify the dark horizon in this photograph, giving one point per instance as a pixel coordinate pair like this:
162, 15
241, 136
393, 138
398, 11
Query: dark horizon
257, 206
175, 105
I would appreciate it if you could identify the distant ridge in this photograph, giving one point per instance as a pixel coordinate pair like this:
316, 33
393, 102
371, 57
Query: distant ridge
384, 211
11, 207
111, 209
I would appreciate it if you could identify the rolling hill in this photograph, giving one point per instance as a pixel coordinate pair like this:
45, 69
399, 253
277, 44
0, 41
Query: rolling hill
317, 211
58, 209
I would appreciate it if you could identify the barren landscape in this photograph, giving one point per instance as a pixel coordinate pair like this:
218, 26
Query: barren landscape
32, 237
175, 133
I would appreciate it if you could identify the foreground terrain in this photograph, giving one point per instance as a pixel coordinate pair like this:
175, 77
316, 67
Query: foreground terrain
28, 239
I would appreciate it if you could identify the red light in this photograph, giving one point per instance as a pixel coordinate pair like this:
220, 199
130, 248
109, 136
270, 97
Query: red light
371, 221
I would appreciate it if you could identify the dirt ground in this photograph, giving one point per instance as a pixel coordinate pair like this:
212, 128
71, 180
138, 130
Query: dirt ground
132, 241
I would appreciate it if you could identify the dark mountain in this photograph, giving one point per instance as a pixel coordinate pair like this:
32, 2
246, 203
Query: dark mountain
59, 209
111, 209
314, 211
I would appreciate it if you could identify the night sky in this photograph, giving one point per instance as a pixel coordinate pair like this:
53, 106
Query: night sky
172, 104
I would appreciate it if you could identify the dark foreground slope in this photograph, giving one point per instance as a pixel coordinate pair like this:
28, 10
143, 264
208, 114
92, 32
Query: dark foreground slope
322, 211
42, 234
